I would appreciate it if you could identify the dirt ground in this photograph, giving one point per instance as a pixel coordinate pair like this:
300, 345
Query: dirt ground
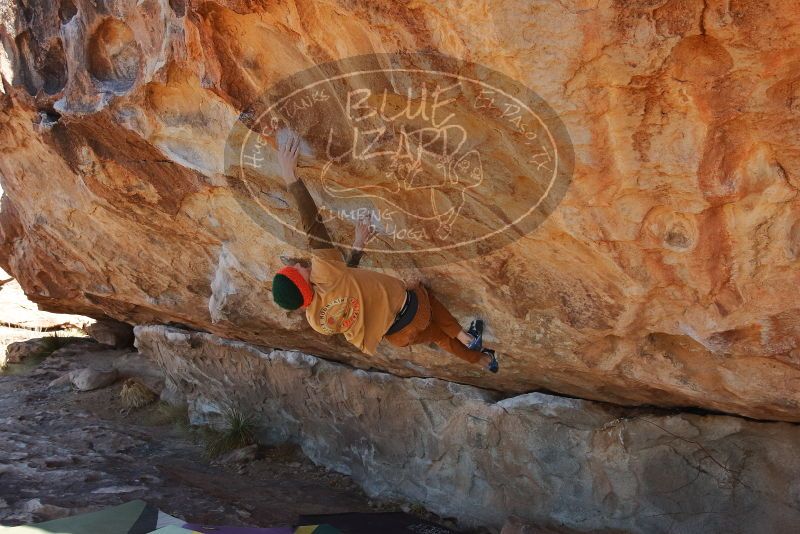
64, 452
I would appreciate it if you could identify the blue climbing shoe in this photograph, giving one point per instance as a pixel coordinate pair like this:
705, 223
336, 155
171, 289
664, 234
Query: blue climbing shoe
476, 331
493, 366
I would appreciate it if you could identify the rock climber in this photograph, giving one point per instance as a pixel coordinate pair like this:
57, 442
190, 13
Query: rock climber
365, 306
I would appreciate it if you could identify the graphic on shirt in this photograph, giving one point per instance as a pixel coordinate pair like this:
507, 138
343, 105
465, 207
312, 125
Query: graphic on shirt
339, 315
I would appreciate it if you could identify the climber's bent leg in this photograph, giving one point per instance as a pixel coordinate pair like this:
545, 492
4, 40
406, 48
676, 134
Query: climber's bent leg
445, 320
444, 330
434, 334
457, 348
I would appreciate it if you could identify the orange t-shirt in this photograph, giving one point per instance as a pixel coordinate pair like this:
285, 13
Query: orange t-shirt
358, 303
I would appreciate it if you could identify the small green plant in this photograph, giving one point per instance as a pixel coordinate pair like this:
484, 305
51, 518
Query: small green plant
239, 431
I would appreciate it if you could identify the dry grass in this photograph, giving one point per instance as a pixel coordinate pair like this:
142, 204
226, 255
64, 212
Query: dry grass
134, 394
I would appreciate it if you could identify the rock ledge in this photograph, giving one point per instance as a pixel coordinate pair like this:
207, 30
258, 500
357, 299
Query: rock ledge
546, 459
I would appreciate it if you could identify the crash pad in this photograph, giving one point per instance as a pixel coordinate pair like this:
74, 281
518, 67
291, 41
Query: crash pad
135, 517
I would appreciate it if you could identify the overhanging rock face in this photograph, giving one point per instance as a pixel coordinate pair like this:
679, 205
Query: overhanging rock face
463, 452
666, 275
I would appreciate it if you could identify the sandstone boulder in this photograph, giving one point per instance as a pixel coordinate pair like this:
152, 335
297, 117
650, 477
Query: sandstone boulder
665, 276
89, 379
20, 350
113, 333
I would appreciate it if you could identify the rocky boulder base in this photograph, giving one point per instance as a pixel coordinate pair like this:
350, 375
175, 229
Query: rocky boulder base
665, 276
113, 333
549, 460
18, 351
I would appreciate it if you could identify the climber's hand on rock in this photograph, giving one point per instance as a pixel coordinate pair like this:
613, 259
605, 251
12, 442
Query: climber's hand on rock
288, 152
365, 231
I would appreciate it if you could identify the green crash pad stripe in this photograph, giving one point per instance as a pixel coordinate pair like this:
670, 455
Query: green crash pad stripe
115, 520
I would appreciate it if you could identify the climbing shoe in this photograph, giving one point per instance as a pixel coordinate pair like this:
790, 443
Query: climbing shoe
493, 366
476, 331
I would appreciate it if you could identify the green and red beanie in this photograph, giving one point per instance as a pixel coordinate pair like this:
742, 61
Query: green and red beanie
290, 290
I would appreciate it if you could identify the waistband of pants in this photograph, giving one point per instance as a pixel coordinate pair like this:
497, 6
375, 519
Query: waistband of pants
406, 314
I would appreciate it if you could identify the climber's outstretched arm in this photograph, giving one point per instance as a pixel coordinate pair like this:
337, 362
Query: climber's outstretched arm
318, 237
313, 226
364, 232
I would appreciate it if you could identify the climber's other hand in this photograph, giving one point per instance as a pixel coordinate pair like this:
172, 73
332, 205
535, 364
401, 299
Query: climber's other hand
365, 231
288, 152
